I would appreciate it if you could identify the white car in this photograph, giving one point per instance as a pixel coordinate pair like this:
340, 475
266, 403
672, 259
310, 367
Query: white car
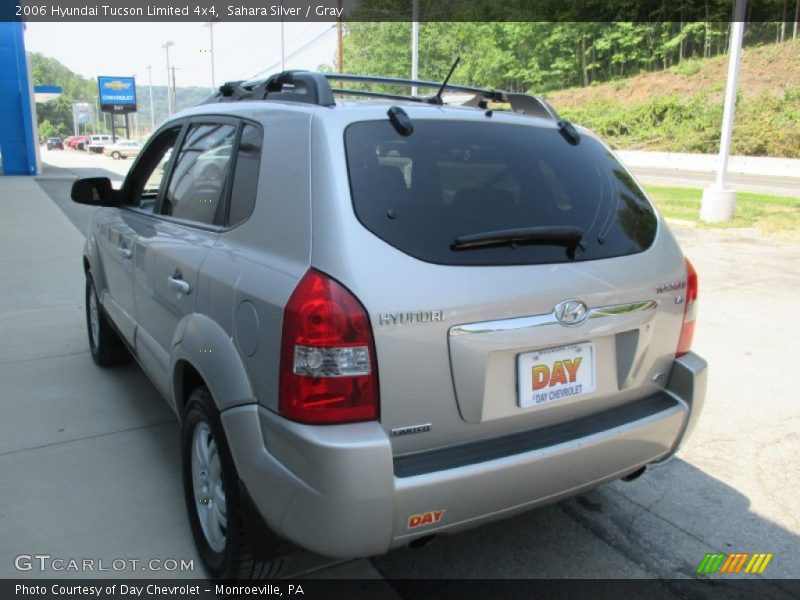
123, 149
96, 143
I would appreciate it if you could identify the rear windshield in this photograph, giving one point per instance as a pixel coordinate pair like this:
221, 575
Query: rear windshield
428, 193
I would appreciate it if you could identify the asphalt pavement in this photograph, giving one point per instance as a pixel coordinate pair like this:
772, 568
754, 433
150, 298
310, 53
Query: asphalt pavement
89, 459
741, 182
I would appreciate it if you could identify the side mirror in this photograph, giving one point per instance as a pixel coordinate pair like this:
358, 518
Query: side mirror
95, 191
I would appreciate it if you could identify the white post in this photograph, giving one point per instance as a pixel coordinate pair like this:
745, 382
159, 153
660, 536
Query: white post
719, 200
166, 46
210, 26
152, 108
414, 44
283, 50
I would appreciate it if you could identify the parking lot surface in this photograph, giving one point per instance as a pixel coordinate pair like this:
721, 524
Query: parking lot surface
90, 465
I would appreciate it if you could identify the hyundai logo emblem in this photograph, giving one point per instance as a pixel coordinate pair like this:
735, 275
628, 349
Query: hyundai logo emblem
571, 312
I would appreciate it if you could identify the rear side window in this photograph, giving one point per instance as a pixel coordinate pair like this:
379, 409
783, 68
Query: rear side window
451, 181
245, 176
197, 185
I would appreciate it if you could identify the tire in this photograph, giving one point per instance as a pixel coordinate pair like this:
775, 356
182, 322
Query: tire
104, 343
221, 541
116, 155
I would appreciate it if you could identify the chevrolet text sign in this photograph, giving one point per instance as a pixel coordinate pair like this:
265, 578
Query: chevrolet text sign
117, 94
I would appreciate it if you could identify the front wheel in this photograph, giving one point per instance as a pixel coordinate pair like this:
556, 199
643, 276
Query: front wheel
116, 155
213, 500
105, 344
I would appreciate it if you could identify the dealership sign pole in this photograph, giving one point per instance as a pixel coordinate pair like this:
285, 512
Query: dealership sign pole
81, 115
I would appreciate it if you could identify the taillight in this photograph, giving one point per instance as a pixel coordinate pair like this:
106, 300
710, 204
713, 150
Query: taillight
689, 311
328, 371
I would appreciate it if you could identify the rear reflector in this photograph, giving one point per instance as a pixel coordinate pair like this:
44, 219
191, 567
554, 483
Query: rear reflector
689, 311
328, 369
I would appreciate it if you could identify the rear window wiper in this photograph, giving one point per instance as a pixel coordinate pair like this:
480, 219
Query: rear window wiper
556, 235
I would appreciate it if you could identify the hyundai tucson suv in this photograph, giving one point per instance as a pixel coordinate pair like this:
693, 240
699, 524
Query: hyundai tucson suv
385, 319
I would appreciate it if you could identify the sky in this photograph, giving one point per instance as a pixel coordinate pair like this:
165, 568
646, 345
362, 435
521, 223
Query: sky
241, 50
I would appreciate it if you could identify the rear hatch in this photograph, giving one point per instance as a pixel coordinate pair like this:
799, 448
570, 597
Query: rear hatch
511, 277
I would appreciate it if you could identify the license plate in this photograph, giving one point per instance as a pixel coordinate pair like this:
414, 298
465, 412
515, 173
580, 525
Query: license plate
555, 374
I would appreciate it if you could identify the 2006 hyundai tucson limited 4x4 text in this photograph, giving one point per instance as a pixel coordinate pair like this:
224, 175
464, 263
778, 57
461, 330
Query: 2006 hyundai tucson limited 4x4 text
387, 318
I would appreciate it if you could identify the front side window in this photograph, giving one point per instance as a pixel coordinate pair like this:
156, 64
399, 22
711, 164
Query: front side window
197, 186
144, 183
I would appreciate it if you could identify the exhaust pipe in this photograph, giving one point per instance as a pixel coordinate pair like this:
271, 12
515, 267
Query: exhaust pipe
635, 475
422, 542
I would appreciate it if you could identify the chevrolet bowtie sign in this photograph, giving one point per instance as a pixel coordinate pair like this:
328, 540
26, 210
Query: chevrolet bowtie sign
117, 94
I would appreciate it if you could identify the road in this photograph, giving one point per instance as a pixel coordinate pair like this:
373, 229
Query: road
764, 184
733, 488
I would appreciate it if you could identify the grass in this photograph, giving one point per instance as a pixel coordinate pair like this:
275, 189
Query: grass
766, 125
772, 215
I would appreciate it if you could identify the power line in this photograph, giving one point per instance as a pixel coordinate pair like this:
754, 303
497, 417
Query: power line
296, 52
261, 60
276, 54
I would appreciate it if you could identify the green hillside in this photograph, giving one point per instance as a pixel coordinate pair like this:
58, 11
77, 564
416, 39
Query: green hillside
680, 109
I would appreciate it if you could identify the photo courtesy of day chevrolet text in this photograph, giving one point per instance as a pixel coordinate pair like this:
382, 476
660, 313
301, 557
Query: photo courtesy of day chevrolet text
152, 590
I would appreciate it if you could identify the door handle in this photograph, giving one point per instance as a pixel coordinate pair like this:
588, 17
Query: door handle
179, 285
125, 252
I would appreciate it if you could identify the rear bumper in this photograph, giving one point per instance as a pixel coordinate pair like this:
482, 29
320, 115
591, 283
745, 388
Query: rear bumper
337, 490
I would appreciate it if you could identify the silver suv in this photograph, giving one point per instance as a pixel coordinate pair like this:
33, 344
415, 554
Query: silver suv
387, 319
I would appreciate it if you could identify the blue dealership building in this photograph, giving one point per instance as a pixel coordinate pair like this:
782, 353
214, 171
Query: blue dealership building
19, 146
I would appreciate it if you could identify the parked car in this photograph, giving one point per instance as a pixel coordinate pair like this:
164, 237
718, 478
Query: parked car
55, 143
78, 142
123, 149
362, 358
97, 143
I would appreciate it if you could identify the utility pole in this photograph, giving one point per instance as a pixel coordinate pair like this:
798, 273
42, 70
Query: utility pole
719, 201
210, 26
283, 53
152, 108
340, 57
174, 89
130, 118
166, 46
414, 44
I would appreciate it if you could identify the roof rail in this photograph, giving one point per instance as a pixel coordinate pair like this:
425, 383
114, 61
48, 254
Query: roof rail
293, 86
314, 88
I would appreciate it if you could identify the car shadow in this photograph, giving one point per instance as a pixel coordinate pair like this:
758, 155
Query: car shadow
81, 172
58, 190
659, 526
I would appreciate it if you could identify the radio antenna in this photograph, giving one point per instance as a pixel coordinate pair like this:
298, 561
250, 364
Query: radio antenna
437, 99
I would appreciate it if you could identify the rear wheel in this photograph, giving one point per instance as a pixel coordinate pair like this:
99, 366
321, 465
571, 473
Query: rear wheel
213, 498
116, 155
104, 343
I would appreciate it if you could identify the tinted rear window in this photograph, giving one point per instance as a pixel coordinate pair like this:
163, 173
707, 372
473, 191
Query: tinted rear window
454, 178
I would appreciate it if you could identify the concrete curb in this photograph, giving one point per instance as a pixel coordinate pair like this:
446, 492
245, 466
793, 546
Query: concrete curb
709, 163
